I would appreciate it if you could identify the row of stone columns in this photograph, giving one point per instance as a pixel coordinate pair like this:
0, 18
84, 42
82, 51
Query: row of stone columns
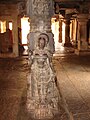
81, 33
10, 13
67, 42
82, 43
16, 22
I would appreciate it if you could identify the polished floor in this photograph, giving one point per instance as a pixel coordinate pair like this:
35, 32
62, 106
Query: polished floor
73, 74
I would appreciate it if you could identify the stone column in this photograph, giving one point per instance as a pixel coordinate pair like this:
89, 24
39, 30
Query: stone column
19, 29
19, 21
71, 30
60, 31
7, 24
67, 33
75, 31
42, 94
82, 34
89, 35
15, 37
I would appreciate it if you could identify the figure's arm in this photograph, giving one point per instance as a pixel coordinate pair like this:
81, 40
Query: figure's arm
49, 54
30, 58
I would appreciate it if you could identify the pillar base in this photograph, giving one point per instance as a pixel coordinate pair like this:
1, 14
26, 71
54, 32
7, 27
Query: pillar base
67, 45
82, 52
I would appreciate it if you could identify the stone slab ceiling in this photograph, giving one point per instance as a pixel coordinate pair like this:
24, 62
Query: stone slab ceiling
11, 1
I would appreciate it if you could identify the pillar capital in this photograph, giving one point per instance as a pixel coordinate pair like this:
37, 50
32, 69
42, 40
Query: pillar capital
82, 18
67, 21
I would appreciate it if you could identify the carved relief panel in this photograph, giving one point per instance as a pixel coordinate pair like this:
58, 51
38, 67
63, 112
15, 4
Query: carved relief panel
40, 7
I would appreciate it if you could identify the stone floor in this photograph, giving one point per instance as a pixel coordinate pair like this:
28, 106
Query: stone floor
73, 74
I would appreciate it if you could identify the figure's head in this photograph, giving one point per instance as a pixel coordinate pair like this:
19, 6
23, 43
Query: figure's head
41, 43
42, 40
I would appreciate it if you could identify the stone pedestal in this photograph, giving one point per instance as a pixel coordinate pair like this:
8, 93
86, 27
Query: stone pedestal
67, 33
82, 47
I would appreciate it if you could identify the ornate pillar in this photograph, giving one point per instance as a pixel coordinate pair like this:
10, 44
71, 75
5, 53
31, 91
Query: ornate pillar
67, 33
42, 93
82, 34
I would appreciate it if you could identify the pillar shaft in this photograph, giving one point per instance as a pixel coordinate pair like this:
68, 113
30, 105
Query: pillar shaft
67, 33
41, 12
19, 21
15, 37
7, 24
60, 31
89, 35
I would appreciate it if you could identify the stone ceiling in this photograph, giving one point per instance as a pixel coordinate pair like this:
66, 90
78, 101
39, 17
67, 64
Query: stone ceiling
11, 1
16, 1
72, 7
62, 6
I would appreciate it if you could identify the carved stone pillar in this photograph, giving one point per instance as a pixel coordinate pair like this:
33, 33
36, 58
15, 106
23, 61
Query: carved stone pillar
82, 34
42, 94
67, 33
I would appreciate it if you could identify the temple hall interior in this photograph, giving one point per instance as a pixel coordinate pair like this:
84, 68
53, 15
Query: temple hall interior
67, 22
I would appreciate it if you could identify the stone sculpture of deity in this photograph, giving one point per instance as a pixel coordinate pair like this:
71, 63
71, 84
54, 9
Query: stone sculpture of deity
42, 94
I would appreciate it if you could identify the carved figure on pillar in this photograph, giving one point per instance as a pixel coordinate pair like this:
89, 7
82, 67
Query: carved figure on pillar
42, 94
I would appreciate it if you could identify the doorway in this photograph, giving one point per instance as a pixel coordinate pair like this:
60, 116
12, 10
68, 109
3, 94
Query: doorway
25, 27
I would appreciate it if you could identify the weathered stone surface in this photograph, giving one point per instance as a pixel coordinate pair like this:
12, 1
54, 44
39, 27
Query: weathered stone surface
42, 93
38, 8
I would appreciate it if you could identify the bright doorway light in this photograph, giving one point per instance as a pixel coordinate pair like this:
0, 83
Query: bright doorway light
63, 32
10, 25
3, 26
55, 31
25, 26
